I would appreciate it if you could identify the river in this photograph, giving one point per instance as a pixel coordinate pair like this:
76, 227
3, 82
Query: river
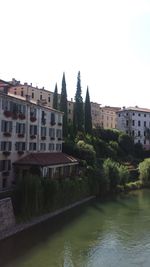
98, 234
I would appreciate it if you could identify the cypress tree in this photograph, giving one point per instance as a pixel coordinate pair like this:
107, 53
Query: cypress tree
55, 98
63, 106
87, 113
78, 107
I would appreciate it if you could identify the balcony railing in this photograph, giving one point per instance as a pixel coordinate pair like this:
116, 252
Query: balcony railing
7, 134
6, 153
32, 119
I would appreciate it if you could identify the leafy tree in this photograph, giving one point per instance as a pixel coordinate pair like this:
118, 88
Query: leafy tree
63, 106
55, 98
78, 108
87, 113
126, 143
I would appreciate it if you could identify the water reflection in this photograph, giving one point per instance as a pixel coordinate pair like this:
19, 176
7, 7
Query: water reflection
112, 233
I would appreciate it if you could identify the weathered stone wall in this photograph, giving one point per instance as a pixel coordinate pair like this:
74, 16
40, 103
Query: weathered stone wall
7, 218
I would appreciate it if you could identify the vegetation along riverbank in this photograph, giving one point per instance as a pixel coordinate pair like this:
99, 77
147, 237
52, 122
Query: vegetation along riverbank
109, 163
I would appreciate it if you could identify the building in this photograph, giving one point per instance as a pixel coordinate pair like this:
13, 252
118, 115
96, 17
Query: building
36, 94
30, 139
108, 117
135, 121
39, 95
95, 113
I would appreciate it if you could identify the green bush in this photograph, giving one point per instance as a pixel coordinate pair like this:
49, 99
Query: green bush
144, 170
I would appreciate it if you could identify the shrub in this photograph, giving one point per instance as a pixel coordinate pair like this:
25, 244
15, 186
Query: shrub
144, 170
123, 174
111, 173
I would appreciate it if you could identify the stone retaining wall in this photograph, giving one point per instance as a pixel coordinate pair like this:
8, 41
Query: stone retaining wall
23, 226
7, 218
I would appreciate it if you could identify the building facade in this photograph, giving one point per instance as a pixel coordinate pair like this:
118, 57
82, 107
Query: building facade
108, 117
135, 122
39, 95
27, 127
95, 113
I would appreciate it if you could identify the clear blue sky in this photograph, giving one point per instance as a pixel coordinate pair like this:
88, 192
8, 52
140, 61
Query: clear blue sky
107, 40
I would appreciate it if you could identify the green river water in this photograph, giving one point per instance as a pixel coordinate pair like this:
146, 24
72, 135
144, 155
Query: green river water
110, 234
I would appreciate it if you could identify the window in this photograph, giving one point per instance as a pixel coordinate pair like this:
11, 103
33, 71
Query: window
126, 114
6, 126
20, 146
133, 114
33, 112
43, 131
43, 119
32, 94
49, 99
139, 141
133, 122
33, 129
127, 122
119, 114
139, 133
40, 97
139, 123
69, 111
59, 133
133, 133
32, 146
126, 132
144, 142
22, 94
6, 146
5, 165
139, 114
42, 146
144, 133
144, 115
58, 147
52, 119
144, 123
51, 147
52, 133
20, 128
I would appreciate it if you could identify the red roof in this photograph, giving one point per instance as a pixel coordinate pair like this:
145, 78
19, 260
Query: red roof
46, 159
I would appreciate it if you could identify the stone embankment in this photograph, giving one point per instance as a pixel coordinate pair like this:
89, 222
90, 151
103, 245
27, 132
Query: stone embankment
16, 228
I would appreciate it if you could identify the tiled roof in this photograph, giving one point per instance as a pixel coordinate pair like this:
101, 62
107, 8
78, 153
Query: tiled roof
46, 159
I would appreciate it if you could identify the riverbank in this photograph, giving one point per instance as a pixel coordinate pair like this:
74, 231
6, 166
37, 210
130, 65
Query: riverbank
23, 226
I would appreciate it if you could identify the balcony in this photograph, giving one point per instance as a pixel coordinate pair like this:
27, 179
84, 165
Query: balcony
15, 115
7, 134
22, 116
6, 153
7, 114
5, 173
53, 123
32, 119
20, 135
32, 136
52, 138
20, 152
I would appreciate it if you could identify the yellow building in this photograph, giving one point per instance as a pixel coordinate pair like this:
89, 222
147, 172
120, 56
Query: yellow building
95, 113
108, 117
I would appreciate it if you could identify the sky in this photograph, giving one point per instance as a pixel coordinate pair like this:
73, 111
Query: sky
108, 41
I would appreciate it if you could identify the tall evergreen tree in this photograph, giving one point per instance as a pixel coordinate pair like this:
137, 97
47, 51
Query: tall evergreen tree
55, 98
78, 107
63, 106
87, 113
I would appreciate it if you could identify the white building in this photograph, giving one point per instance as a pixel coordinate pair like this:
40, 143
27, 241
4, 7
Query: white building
135, 121
30, 136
